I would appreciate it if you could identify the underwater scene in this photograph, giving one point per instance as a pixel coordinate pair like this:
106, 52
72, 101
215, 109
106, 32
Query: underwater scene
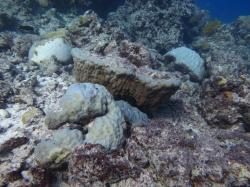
124, 93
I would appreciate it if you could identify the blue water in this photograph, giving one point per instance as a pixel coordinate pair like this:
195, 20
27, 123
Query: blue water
225, 10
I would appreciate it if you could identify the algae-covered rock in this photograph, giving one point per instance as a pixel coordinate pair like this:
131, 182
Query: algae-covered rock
55, 151
242, 174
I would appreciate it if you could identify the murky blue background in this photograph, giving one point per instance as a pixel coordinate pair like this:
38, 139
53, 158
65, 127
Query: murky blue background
226, 10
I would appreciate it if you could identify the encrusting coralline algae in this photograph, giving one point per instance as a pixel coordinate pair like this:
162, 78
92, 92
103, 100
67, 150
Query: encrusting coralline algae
137, 95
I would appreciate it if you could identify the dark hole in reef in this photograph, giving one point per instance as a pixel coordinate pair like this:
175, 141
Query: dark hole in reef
127, 131
104, 7
129, 99
189, 32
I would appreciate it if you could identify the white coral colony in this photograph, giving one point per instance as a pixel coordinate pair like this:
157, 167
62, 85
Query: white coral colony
46, 50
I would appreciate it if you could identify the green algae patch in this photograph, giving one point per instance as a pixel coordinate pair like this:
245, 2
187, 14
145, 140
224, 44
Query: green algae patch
59, 33
29, 115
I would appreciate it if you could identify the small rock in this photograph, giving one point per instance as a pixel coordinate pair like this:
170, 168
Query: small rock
54, 152
4, 114
35, 177
12, 143
26, 95
5, 92
11, 165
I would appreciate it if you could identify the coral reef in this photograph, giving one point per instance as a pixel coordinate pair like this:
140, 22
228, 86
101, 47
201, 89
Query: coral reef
225, 103
242, 29
119, 101
157, 24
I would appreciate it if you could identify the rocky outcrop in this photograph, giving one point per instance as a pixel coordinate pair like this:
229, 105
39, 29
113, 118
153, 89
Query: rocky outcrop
144, 87
225, 52
225, 102
241, 30
137, 54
